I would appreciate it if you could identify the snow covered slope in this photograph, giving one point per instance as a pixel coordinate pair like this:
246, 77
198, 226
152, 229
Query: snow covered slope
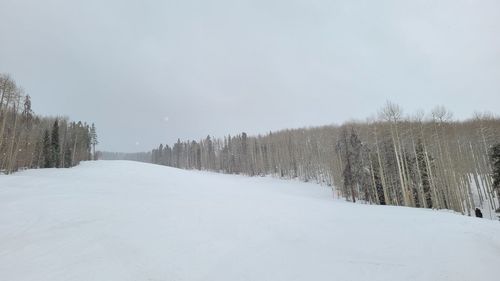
120, 221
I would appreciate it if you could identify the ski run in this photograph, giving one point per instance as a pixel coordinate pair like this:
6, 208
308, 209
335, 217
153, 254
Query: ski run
129, 221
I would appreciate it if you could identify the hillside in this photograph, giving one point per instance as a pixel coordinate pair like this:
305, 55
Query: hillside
119, 220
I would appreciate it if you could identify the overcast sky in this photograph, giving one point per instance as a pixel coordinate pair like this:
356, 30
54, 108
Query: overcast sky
153, 71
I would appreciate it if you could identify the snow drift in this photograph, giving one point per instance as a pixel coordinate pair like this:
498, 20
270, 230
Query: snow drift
118, 220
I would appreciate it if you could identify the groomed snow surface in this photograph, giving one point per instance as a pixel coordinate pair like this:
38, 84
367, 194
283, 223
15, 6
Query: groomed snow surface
119, 221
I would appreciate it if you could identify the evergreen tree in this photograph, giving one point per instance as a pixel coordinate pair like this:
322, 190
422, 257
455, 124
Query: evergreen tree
210, 152
379, 188
177, 153
495, 162
67, 156
46, 151
244, 152
55, 148
37, 157
160, 154
94, 141
424, 174
345, 151
27, 113
198, 157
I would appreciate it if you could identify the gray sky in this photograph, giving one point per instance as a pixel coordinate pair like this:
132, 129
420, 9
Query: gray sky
153, 71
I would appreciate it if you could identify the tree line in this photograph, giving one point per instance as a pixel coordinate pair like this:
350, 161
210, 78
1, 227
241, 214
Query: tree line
421, 161
28, 140
131, 156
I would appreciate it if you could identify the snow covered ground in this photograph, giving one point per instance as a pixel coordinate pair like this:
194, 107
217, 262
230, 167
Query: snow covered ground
120, 221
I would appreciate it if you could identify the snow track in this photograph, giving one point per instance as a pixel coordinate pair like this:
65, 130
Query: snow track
118, 220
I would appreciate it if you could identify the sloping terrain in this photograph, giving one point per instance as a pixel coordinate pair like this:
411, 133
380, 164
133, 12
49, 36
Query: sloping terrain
120, 221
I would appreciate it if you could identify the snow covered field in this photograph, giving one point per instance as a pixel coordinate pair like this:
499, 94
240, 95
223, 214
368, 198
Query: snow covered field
120, 221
